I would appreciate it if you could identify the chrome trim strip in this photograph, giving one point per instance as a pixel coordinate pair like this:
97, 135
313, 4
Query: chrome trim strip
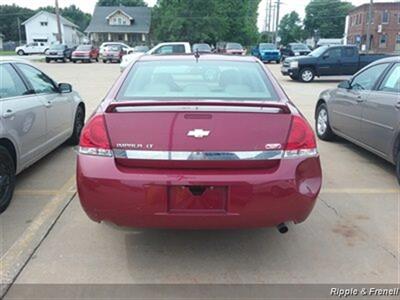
195, 108
201, 155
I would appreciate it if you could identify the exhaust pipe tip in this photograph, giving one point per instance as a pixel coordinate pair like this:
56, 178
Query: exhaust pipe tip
282, 228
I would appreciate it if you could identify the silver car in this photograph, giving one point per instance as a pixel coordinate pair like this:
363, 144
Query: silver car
36, 116
365, 110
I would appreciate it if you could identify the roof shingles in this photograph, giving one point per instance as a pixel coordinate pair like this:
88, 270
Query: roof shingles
140, 15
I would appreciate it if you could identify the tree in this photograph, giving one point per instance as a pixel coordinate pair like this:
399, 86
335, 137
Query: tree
327, 16
9, 15
121, 2
290, 28
205, 21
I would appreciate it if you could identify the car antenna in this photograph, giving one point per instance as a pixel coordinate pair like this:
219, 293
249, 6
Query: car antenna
197, 55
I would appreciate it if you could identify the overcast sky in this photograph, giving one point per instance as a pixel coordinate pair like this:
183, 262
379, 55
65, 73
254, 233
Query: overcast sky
88, 5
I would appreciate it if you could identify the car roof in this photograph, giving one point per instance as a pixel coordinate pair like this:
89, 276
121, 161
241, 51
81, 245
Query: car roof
390, 59
190, 56
4, 59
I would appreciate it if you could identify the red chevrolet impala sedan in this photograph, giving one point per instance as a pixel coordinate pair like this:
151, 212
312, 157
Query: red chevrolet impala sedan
198, 143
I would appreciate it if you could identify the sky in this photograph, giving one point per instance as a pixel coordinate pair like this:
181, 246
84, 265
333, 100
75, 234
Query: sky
88, 5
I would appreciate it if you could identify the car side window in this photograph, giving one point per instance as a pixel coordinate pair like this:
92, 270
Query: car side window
11, 85
40, 82
349, 52
367, 79
334, 53
178, 49
391, 83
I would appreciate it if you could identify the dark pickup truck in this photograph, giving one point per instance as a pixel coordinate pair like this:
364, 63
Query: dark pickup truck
327, 61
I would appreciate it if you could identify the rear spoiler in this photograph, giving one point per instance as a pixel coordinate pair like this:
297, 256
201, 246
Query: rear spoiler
262, 107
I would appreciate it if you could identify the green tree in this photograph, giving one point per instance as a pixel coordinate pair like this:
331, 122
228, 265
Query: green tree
205, 21
9, 15
290, 28
327, 16
121, 2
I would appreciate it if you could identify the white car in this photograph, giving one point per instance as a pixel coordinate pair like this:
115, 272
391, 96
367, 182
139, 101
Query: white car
32, 48
162, 48
125, 47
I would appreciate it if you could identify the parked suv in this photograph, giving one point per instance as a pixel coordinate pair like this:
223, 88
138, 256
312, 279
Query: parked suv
59, 52
294, 49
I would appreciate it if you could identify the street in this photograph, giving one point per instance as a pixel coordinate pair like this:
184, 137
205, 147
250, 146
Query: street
352, 235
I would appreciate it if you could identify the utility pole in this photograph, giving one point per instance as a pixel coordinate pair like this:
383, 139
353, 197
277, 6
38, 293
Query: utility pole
269, 15
368, 41
19, 31
272, 22
59, 36
278, 4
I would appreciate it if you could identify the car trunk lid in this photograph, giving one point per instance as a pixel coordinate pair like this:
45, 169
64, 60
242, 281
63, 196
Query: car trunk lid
198, 135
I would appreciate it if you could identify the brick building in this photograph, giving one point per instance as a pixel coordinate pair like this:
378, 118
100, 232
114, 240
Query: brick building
384, 29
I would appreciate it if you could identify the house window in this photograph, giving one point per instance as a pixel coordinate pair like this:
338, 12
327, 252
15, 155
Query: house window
385, 17
43, 23
383, 41
398, 18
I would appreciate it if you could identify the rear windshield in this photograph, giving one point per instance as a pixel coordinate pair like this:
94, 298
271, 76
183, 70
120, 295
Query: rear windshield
234, 46
267, 46
191, 80
113, 48
201, 47
84, 48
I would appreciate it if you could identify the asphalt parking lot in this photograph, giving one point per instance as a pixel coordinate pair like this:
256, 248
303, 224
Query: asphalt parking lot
352, 236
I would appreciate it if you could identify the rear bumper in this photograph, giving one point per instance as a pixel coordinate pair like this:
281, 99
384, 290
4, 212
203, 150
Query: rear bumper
270, 57
80, 57
55, 56
140, 197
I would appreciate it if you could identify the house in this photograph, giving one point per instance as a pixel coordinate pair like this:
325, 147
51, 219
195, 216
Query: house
1, 41
42, 27
119, 23
384, 27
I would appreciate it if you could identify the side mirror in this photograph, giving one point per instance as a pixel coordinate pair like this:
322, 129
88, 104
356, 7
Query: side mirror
64, 88
344, 85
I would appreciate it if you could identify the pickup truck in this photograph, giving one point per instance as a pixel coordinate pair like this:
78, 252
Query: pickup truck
32, 48
159, 49
327, 61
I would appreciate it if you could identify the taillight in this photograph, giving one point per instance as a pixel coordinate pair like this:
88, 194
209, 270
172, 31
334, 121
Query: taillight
301, 141
94, 139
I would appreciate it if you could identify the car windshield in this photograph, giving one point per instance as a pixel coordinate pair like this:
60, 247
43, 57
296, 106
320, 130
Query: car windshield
300, 47
141, 49
201, 47
234, 46
57, 47
84, 48
265, 46
319, 51
191, 80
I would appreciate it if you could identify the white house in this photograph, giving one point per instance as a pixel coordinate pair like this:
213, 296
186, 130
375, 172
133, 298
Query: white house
42, 27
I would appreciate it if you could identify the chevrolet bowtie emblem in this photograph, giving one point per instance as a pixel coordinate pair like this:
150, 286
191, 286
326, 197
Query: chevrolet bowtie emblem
198, 133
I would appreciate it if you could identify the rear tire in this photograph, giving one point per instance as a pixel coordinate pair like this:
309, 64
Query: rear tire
322, 124
7, 178
20, 52
48, 60
78, 125
278, 61
104, 61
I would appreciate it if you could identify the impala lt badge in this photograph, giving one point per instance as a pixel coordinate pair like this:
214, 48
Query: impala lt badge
198, 133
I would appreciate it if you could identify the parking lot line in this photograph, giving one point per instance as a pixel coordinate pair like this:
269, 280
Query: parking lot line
32, 192
13, 261
360, 191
